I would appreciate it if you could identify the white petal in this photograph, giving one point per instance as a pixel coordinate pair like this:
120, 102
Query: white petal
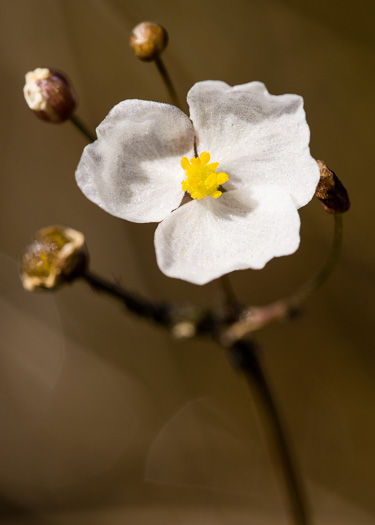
256, 137
133, 170
244, 228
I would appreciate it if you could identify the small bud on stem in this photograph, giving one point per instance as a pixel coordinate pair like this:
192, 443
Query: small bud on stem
49, 94
56, 255
148, 40
330, 191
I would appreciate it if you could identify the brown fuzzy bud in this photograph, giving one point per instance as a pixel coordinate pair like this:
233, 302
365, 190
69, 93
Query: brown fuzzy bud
148, 40
330, 191
56, 255
49, 94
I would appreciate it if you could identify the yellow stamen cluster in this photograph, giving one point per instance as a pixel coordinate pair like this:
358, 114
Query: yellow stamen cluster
201, 179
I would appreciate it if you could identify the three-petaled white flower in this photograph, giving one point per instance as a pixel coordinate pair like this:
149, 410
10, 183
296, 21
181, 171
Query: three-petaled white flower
238, 218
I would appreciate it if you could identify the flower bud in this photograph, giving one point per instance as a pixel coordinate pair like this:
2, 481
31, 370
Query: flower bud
330, 191
148, 40
56, 255
49, 94
184, 330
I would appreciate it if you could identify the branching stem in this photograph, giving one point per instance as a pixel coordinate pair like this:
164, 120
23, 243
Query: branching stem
230, 328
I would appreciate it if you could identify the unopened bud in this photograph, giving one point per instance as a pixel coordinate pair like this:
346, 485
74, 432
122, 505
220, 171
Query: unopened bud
184, 330
148, 40
49, 94
330, 191
56, 255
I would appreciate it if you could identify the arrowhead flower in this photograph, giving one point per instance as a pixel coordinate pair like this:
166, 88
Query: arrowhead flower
242, 161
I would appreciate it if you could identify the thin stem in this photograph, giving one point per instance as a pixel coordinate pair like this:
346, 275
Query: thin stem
204, 322
82, 127
321, 277
167, 82
255, 318
138, 305
247, 359
227, 288
171, 316
232, 307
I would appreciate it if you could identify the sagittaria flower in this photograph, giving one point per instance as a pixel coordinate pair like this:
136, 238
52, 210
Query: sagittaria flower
237, 216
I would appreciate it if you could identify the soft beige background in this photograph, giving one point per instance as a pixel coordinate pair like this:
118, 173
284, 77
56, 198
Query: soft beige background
105, 420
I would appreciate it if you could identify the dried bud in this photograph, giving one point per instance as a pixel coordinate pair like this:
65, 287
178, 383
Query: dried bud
49, 94
57, 254
330, 191
148, 40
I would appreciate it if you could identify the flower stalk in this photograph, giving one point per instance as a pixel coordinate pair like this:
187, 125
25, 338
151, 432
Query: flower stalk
167, 82
148, 41
246, 358
321, 277
232, 308
168, 315
77, 122
188, 321
243, 355
255, 318
230, 326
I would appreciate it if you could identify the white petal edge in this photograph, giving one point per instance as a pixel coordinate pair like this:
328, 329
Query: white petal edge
256, 137
245, 228
133, 170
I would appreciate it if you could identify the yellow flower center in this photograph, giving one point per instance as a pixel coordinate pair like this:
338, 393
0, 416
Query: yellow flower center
201, 179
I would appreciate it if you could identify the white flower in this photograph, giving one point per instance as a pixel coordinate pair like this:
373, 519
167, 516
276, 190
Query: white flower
136, 171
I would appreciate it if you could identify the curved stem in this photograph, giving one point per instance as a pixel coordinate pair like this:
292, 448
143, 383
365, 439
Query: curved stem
247, 359
255, 318
204, 322
236, 322
82, 127
167, 82
321, 277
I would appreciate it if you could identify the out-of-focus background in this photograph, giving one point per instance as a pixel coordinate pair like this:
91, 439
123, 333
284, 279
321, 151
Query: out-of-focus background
105, 419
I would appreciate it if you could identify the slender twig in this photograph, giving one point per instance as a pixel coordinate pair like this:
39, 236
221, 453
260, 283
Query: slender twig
158, 312
235, 322
172, 316
82, 127
205, 321
255, 318
321, 277
167, 82
245, 356
227, 289
231, 335
231, 306
229, 328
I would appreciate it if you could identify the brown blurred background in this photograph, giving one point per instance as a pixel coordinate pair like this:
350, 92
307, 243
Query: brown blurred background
107, 420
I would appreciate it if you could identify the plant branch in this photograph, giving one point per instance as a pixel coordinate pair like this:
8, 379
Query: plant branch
255, 318
183, 320
245, 357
